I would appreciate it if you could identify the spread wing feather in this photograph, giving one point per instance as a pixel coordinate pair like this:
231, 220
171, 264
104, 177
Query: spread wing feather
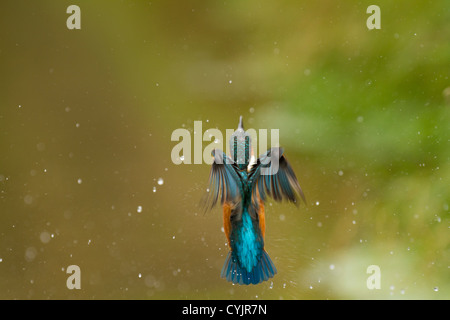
278, 182
224, 181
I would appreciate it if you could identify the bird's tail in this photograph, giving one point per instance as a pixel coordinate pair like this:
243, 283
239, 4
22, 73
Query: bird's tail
263, 271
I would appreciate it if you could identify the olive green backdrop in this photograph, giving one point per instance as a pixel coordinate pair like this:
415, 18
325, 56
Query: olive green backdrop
86, 118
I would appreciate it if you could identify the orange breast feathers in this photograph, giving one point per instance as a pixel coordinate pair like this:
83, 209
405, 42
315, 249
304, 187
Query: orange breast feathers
227, 208
227, 221
262, 218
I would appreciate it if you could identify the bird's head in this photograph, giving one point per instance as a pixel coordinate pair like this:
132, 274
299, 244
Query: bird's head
240, 146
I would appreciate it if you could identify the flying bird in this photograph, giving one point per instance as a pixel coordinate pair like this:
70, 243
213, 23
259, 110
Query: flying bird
242, 188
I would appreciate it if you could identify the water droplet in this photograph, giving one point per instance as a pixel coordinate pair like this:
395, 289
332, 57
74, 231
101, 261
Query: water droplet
317, 203
331, 266
341, 173
40, 146
79, 181
139, 209
30, 254
182, 158
28, 199
436, 289
154, 189
45, 237
160, 181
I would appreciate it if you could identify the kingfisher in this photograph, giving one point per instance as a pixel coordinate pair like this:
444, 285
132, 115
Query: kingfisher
242, 188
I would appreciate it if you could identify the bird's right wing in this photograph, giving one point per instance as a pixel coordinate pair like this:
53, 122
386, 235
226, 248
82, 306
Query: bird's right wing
224, 181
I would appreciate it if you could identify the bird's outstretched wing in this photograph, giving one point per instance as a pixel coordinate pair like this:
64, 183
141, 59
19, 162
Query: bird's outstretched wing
224, 181
273, 179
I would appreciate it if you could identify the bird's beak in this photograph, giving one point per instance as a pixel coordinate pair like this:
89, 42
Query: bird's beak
241, 124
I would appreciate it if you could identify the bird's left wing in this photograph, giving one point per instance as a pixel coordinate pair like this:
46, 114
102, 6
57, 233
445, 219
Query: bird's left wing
272, 175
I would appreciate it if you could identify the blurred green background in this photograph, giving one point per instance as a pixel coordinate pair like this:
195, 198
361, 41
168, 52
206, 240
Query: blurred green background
86, 118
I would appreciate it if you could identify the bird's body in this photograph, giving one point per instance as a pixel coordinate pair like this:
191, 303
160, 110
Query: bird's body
242, 189
247, 261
